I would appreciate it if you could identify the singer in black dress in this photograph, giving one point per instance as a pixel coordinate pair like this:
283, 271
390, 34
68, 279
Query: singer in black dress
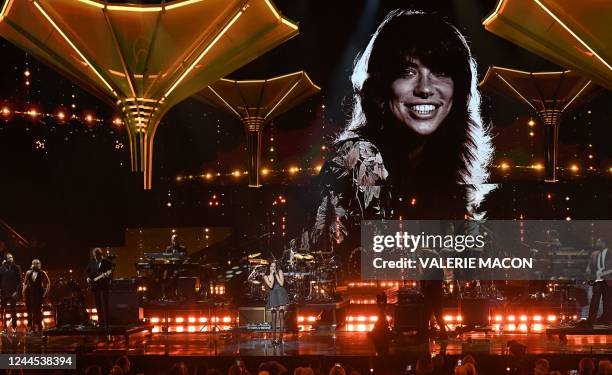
277, 299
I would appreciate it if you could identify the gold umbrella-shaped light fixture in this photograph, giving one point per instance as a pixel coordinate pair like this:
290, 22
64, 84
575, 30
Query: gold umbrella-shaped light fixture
549, 94
573, 34
144, 59
256, 102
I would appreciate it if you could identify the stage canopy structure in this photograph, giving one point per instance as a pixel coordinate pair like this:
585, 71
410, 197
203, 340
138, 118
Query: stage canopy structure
549, 94
143, 59
573, 34
256, 102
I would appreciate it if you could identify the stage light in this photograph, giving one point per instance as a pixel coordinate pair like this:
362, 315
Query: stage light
117, 121
236, 173
504, 166
574, 168
6, 111
523, 318
264, 172
227, 319
203, 319
373, 318
448, 318
537, 318
498, 318
191, 329
32, 113
89, 118
179, 319
361, 318
537, 327
523, 327
510, 318
531, 122
191, 319
154, 320
511, 327
61, 115
179, 328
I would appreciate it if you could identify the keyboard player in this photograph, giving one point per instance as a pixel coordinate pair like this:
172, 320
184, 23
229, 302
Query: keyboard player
170, 276
176, 248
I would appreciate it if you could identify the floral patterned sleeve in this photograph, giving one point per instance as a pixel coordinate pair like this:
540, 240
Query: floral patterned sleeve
351, 188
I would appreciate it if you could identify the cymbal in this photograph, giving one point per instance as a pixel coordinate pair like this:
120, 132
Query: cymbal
254, 255
258, 261
303, 256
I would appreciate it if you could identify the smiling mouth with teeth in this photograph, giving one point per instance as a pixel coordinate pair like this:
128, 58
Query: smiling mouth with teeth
422, 109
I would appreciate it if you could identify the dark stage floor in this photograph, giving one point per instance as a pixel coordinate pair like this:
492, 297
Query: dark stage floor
304, 344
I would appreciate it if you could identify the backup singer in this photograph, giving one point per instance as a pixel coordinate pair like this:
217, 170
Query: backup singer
99, 272
10, 282
36, 287
277, 300
600, 266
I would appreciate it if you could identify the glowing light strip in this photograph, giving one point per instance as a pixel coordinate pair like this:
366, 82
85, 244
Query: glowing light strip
41, 10
223, 100
93, 3
134, 9
289, 23
285, 76
516, 91
273, 9
494, 14
550, 13
544, 73
4, 9
210, 46
182, 4
577, 95
282, 99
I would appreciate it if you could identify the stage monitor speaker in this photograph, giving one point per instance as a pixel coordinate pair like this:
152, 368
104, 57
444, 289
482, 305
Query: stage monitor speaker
253, 316
71, 312
124, 285
123, 308
409, 317
186, 287
474, 311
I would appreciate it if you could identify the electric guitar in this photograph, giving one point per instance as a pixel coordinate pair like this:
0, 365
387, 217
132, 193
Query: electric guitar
99, 277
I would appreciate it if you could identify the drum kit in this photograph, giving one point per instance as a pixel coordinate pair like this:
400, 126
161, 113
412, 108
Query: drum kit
308, 277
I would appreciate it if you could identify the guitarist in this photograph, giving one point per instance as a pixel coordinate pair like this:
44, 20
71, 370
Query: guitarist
600, 266
99, 273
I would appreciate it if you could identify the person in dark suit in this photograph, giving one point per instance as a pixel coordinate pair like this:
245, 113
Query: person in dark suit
36, 287
101, 269
600, 270
170, 277
10, 285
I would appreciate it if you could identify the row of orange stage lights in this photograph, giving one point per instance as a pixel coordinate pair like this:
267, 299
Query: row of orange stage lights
61, 116
193, 323
536, 323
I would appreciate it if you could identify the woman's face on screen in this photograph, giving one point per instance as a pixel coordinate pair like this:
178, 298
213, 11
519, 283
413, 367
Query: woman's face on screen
421, 98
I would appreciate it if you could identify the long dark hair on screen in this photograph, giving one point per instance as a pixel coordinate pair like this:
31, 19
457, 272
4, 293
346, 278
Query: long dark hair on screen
460, 150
